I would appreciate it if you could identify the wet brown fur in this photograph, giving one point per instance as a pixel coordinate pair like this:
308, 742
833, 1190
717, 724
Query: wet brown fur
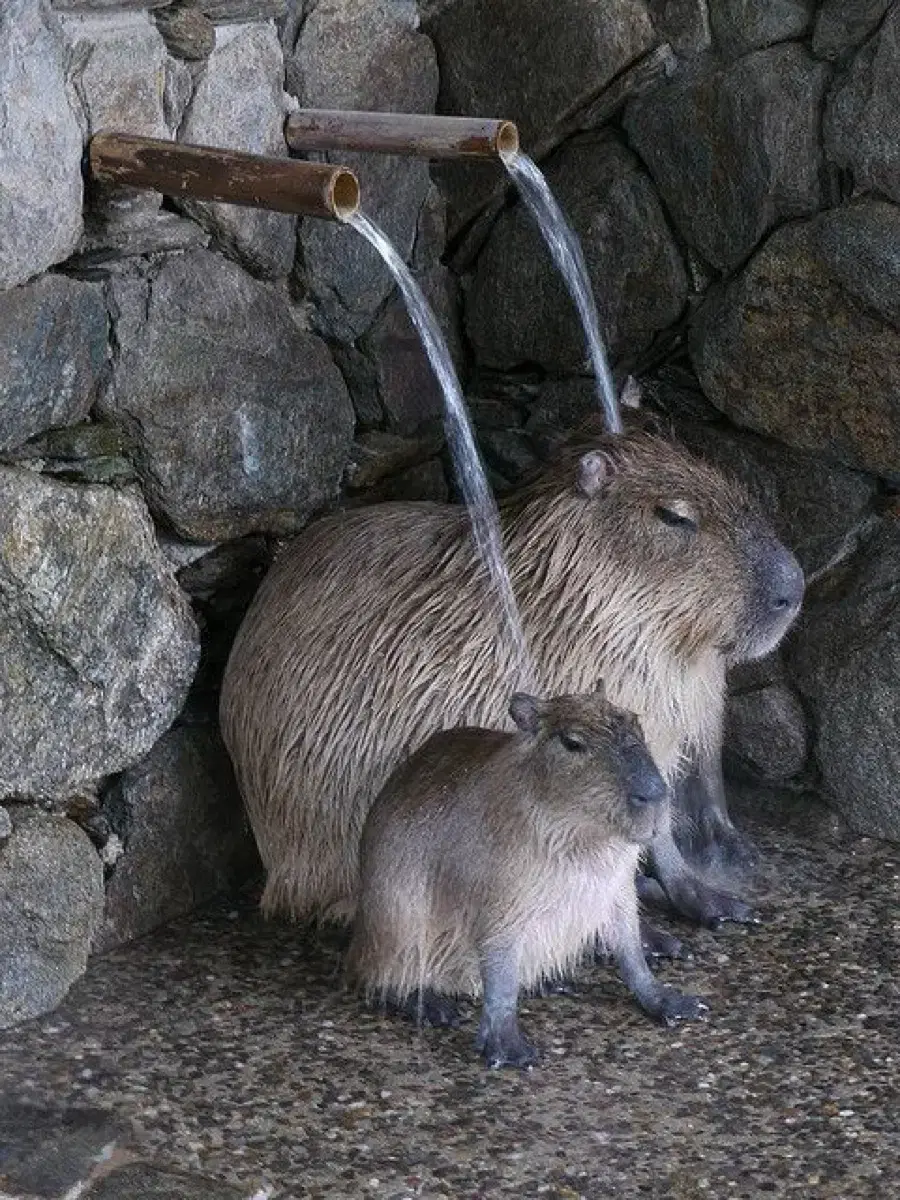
377, 627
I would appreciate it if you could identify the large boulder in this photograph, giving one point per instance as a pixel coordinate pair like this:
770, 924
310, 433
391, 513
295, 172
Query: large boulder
364, 54
239, 104
734, 150
179, 816
841, 25
240, 418
40, 145
846, 660
740, 26
533, 62
804, 344
97, 643
862, 120
51, 903
519, 311
52, 355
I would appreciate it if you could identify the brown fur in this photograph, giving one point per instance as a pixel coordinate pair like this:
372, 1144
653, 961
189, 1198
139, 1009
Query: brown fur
486, 839
377, 627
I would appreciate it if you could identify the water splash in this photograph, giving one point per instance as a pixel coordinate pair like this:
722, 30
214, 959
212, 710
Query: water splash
469, 470
566, 252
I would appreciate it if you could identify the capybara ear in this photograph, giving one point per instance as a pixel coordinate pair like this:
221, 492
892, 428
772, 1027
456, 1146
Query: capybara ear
595, 470
631, 393
526, 711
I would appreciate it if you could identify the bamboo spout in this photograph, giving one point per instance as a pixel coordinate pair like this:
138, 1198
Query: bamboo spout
401, 133
229, 176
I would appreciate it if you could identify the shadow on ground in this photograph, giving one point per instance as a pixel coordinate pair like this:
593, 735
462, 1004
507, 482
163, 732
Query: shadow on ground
221, 1059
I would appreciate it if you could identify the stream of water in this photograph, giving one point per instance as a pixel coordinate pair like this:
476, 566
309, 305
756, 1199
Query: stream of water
470, 473
566, 251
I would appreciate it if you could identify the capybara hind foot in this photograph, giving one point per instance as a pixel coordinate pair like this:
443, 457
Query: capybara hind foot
672, 1006
501, 1044
426, 1007
712, 841
708, 906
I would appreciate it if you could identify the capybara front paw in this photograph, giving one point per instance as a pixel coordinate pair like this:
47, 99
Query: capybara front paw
675, 1006
657, 943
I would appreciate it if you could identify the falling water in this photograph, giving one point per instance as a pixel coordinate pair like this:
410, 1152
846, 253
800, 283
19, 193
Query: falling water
469, 470
569, 258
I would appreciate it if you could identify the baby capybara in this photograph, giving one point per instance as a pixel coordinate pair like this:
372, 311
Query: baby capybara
491, 861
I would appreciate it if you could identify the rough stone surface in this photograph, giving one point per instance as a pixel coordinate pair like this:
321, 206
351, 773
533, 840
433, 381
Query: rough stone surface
842, 24
684, 24
813, 504
120, 72
187, 32
47, 1150
51, 901
734, 150
142, 1182
239, 104
846, 660
228, 1041
765, 734
178, 814
364, 54
52, 353
862, 120
6, 827
804, 345
40, 145
242, 420
519, 311
740, 26
533, 62
97, 643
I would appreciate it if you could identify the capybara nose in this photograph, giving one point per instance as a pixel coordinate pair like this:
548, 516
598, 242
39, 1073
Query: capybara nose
787, 584
644, 783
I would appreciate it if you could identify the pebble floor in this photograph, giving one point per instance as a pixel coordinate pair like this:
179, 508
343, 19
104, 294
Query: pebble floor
230, 1063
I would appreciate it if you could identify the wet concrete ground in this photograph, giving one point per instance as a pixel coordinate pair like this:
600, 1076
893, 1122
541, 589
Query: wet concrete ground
221, 1059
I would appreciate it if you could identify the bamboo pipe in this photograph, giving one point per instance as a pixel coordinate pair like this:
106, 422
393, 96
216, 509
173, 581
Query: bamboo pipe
401, 133
229, 176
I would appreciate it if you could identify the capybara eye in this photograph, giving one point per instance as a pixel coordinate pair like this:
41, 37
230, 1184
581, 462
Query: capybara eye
679, 514
573, 742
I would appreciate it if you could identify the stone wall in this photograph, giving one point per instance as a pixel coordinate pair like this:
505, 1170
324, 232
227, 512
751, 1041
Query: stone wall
182, 385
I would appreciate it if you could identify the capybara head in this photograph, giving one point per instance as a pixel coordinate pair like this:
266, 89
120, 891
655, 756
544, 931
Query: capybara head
590, 758
689, 553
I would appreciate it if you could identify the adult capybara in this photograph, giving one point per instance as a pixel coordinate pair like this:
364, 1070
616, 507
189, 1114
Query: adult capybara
632, 561
491, 861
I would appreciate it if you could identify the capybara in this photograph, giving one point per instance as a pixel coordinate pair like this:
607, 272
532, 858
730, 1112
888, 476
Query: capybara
632, 561
491, 861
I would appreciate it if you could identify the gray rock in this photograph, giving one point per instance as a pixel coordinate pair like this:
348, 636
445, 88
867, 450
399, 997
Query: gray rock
97, 643
425, 481
813, 504
6, 827
40, 145
179, 815
241, 419
113, 232
364, 54
120, 65
50, 1151
804, 345
684, 24
734, 150
187, 32
518, 310
740, 26
533, 62
846, 660
377, 455
239, 104
225, 12
765, 735
52, 354
862, 120
841, 25
51, 901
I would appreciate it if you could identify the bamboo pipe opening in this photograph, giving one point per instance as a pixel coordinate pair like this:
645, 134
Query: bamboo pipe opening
227, 176
421, 135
